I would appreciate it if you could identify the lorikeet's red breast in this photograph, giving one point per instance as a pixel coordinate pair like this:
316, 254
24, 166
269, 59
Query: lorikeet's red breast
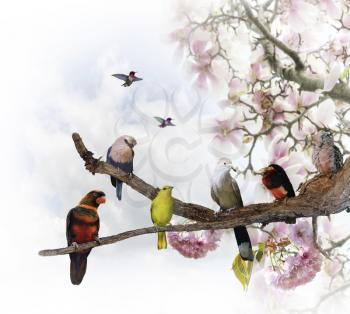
82, 226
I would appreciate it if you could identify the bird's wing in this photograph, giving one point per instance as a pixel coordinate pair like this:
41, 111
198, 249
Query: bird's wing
171, 124
122, 77
237, 192
137, 78
338, 157
68, 227
159, 119
213, 196
127, 167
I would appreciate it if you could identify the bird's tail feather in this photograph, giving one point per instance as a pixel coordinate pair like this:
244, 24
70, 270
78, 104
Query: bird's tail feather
243, 242
118, 189
162, 243
113, 181
78, 263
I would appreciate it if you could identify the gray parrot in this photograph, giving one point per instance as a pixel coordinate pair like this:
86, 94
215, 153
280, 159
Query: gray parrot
225, 192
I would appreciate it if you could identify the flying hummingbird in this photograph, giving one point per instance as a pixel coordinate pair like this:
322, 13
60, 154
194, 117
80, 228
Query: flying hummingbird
128, 79
164, 122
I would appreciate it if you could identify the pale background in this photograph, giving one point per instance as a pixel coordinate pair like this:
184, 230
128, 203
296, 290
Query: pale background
56, 61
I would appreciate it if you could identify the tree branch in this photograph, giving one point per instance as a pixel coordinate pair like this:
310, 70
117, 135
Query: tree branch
137, 232
315, 237
340, 91
299, 65
320, 196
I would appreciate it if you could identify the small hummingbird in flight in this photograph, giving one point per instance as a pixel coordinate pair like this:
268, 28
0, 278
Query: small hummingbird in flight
164, 122
128, 79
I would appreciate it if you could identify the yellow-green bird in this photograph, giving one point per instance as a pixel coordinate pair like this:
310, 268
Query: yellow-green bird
161, 212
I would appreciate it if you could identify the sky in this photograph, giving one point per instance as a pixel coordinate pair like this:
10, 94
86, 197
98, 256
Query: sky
56, 63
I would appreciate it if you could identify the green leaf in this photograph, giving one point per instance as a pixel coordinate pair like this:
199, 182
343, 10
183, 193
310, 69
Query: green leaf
242, 270
344, 74
260, 252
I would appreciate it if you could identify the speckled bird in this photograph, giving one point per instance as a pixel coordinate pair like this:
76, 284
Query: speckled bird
82, 225
128, 79
326, 156
164, 122
225, 192
121, 155
276, 180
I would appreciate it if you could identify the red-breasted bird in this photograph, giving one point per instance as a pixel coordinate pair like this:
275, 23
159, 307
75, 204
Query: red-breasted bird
128, 79
164, 122
326, 156
82, 226
277, 182
121, 155
225, 192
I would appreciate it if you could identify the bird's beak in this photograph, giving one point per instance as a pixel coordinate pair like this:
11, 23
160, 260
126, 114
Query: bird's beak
101, 199
233, 168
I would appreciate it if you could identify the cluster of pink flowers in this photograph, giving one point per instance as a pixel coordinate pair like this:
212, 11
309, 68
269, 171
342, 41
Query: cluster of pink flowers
301, 266
298, 270
190, 245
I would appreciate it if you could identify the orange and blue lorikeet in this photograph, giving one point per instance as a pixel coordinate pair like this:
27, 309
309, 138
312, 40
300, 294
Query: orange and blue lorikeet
82, 226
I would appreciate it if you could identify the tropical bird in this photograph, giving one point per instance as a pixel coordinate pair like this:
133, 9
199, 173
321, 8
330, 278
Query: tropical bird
121, 155
128, 79
326, 156
82, 225
161, 213
164, 122
275, 179
225, 192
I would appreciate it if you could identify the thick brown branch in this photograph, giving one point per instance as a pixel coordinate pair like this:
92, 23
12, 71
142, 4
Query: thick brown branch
323, 195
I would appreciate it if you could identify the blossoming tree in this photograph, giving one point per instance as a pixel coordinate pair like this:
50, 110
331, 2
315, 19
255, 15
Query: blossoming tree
284, 68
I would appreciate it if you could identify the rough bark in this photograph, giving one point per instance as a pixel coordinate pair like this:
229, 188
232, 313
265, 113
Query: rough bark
320, 196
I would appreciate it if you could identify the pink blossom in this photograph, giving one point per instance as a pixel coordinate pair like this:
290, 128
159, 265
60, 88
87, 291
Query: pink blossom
225, 133
330, 8
299, 14
297, 270
346, 20
292, 39
301, 233
180, 36
258, 71
332, 267
280, 229
236, 89
192, 246
333, 76
203, 52
299, 100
